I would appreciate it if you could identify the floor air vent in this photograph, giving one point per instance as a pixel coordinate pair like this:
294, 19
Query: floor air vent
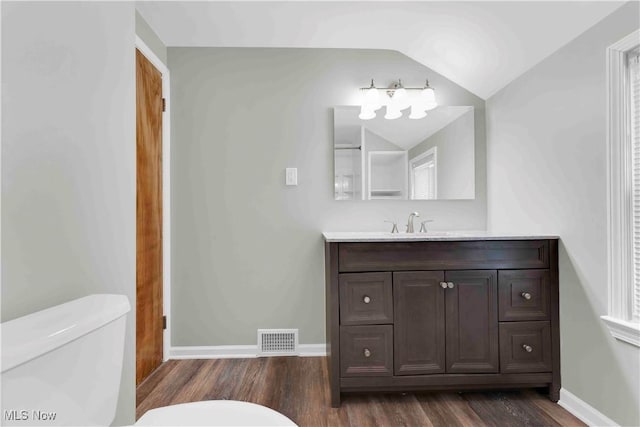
277, 342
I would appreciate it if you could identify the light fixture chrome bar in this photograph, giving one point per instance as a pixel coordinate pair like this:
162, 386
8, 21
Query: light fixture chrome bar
394, 86
398, 100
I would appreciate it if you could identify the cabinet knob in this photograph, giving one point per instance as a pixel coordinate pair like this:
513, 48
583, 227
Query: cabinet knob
366, 299
450, 285
526, 295
367, 352
527, 348
443, 285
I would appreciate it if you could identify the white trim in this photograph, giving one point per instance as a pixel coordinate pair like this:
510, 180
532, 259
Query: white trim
433, 151
582, 410
624, 331
312, 350
152, 57
362, 161
406, 173
214, 352
405, 183
237, 351
619, 221
166, 191
368, 176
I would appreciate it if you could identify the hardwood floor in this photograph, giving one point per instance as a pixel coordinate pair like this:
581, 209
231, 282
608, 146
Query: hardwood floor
298, 388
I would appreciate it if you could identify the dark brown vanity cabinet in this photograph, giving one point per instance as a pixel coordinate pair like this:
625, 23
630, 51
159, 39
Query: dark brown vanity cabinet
452, 315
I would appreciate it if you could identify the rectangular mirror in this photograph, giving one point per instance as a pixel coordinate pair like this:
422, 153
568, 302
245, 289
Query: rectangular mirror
405, 159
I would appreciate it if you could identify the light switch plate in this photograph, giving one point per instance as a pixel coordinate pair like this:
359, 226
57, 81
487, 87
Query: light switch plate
291, 176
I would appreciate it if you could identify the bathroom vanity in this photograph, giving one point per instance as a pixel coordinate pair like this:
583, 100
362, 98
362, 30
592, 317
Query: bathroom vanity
445, 311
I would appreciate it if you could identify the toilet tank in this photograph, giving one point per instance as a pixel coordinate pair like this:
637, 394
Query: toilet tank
62, 365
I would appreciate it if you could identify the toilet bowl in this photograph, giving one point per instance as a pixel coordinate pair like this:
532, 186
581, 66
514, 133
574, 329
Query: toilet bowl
214, 413
62, 366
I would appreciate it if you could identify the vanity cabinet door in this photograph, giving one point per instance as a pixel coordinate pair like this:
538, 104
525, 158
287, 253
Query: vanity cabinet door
418, 330
471, 302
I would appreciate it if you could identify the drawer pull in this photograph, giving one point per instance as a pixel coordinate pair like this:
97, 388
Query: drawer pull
527, 348
443, 285
366, 299
450, 285
526, 295
367, 352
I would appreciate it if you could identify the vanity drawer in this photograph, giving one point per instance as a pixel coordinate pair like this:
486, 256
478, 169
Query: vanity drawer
365, 298
525, 347
366, 351
523, 295
443, 255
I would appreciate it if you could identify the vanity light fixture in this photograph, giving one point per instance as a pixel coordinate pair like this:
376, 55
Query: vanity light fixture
393, 111
398, 99
417, 113
370, 102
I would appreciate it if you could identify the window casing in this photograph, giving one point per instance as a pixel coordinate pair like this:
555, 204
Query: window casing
623, 204
423, 170
633, 68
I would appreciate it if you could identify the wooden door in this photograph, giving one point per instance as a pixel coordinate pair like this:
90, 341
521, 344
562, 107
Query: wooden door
419, 323
472, 321
149, 322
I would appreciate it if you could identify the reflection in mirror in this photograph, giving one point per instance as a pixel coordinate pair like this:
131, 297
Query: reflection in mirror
430, 158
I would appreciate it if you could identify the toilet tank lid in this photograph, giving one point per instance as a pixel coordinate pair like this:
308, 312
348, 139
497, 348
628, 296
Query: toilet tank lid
35, 334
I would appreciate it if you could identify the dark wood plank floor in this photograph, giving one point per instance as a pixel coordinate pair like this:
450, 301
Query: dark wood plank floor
298, 387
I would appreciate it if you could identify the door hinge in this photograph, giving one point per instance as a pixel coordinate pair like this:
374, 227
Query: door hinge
164, 105
164, 322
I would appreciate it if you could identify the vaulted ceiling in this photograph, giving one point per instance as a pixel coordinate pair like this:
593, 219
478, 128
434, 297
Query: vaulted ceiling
481, 46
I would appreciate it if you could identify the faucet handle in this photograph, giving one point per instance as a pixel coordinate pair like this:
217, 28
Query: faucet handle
423, 227
394, 228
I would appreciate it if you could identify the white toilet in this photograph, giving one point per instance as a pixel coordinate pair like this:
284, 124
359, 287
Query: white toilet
61, 366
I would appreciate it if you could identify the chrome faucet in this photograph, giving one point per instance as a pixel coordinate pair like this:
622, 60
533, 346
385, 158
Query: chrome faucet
410, 222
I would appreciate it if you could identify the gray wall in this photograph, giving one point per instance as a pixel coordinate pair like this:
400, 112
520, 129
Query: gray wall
151, 39
547, 173
375, 142
247, 250
68, 160
455, 160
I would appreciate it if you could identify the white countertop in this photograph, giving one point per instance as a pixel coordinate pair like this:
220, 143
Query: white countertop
369, 236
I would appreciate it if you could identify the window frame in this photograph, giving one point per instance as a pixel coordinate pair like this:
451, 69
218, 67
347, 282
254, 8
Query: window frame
433, 151
619, 182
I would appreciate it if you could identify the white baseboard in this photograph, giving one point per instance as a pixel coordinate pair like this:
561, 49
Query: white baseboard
312, 350
214, 352
236, 351
582, 410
